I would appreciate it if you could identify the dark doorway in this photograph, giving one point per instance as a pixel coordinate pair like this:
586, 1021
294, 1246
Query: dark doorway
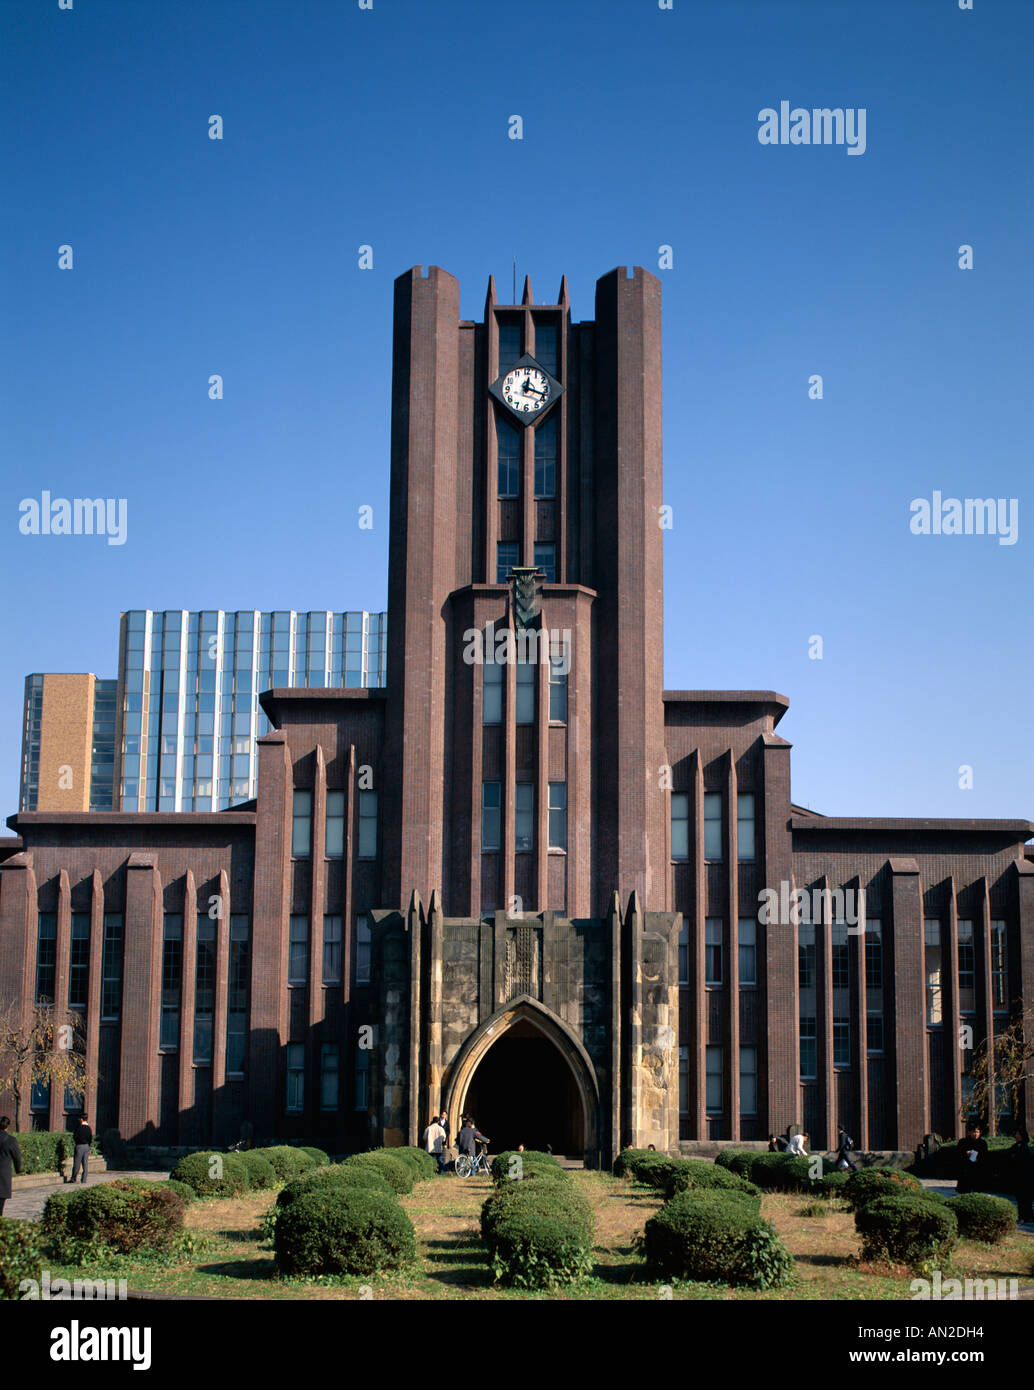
524, 1092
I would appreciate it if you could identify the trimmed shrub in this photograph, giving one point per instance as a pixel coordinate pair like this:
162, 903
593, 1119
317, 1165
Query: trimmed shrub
539, 1234
399, 1174
20, 1256
906, 1229
714, 1235
124, 1215
357, 1175
181, 1189
43, 1151
788, 1172
426, 1164
261, 1173
53, 1223
628, 1161
867, 1183
287, 1162
694, 1173
530, 1163
982, 1217
228, 1178
833, 1184
343, 1230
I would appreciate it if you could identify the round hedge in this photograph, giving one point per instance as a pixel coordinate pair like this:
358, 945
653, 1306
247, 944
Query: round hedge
983, 1217
357, 1175
343, 1230
906, 1229
318, 1156
507, 1164
867, 1183
538, 1234
400, 1174
261, 1173
714, 1235
697, 1174
833, 1184
789, 1172
423, 1164
737, 1161
124, 1215
20, 1256
199, 1172
288, 1162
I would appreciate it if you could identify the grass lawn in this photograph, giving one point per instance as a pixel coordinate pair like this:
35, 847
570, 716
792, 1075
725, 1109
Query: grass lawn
235, 1261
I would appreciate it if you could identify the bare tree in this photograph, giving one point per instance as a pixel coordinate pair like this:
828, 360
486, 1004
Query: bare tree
40, 1046
1001, 1072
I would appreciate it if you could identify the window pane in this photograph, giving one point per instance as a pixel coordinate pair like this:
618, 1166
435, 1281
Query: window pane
301, 832
558, 815
508, 449
367, 825
745, 826
557, 693
679, 825
809, 1049
506, 558
335, 846
298, 951
331, 950
684, 953
713, 825
748, 1080
545, 560
525, 816
490, 816
713, 951
932, 941
545, 458
967, 968
747, 932
492, 693
526, 673
714, 1080
363, 948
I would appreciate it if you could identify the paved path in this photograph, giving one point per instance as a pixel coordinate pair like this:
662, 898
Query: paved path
27, 1204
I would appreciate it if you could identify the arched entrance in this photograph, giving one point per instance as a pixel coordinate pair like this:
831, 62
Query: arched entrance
526, 1079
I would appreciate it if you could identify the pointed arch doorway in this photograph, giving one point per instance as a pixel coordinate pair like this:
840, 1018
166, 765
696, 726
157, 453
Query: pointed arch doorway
527, 1079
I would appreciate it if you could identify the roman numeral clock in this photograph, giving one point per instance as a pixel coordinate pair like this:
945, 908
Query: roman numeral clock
527, 390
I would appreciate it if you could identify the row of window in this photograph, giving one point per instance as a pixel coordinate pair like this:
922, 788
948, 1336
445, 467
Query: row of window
546, 350
79, 963
508, 558
935, 956
714, 1071
333, 960
494, 680
334, 839
204, 988
524, 816
714, 949
329, 1078
713, 839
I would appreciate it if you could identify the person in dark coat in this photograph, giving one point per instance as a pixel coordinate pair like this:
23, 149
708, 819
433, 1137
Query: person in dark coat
844, 1146
1021, 1162
972, 1161
82, 1138
10, 1156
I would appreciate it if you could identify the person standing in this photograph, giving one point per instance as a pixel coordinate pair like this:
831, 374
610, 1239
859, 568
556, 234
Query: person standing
972, 1161
82, 1138
1022, 1164
844, 1146
434, 1142
10, 1157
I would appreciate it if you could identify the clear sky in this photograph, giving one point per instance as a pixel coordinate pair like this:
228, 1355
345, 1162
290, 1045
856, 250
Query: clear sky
389, 127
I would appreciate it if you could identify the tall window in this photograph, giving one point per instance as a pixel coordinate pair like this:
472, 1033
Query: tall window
712, 825
745, 826
295, 1077
331, 950
748, 1081
237, 995
204, 989
492, 693
363, 949
558, 815
999, 969
79, 962
367, 825
509, 341
967, 969
524, 827
46, 957
934, 1000
490, 816
545, 458
715, 1082
298, 950
679, 825
362, 1078
111, 968
546, 354
841, 957
508, 448
328, 1076
172, 981
806, 955
684, 953
301, 825
526, 673
557, 692
545, 560
874, 1034
507, 556
841, 1042
809, 1049
335, 845
747, 933
873, 954
713, 951
683, 1080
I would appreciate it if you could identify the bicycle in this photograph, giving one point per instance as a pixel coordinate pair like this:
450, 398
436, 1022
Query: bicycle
466, 1166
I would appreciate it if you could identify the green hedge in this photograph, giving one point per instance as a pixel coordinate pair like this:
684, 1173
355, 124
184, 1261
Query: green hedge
343, 1230
359, 1175
261, 1173
319, 1156
789, 1172
697, 1174
122, 1215
982, 1217
198, 1172
287, 1161
538, 1234
20, 1256
996, 1170
43, 1151
867, 1183
399, 1172
532, 1162
906, 1229
738, 1161
426, 1164
715, 1235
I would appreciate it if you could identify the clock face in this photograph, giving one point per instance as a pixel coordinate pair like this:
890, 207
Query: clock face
526, 389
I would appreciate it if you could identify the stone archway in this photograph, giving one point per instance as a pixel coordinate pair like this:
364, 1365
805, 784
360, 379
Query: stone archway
558, 1059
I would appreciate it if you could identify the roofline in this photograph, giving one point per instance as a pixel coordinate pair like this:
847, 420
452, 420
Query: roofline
773, 703
315, 694
128, 819
822, 824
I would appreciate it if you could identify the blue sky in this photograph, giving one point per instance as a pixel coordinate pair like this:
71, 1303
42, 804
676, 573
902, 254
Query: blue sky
388, 127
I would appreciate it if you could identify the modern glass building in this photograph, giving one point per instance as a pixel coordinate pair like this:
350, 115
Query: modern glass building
190, 684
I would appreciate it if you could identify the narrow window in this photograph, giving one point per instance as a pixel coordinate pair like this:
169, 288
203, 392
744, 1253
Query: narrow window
745, 828
873, 955
331, 950
295, 1077
748, 1081
111, 968
683, 1080
841, 956
362, 1078
509, 341
713, 825
492, 693
490, 816
679, 825
508, 450
684, 953
335, 844
874, 1034
301, 827
809, 1050
526, 673
363, 950
298, 950
172, 978
713, 951
999, 969
507, 554
967, 969
46, 957
932, 941
546, 354
545, 458
524, 828
367, 825
715, 1081
545, 560
328, 1076
806, 955
237, 993
747, 931
557, 692
204, 989
558, 815
841, 1042
79, 962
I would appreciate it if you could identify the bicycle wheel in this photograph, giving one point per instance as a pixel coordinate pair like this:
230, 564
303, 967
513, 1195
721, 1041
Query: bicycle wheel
463, 1166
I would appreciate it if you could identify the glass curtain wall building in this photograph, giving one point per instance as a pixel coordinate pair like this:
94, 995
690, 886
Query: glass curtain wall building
190, 684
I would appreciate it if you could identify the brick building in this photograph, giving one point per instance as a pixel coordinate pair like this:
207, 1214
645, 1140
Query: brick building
522, 879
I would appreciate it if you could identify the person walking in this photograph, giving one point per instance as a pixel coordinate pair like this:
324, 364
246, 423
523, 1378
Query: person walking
1021, 1161
434, 1142
82, 1138
972, 1161
844, 1146
10, 1157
